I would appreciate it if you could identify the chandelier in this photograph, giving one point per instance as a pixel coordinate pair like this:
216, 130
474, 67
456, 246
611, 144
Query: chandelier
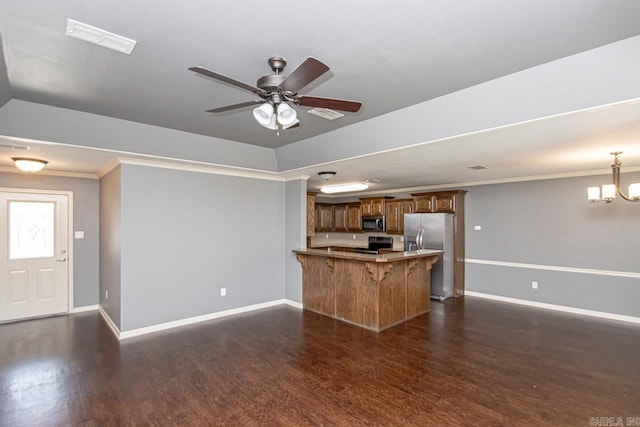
609, 190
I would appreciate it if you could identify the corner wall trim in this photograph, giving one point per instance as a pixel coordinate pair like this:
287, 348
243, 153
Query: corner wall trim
292, 303
563, 308
84, 308
110, 322
197, 319
556, 268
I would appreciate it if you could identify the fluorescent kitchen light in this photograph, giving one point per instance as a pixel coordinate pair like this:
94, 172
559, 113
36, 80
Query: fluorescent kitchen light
99, 36
344, 188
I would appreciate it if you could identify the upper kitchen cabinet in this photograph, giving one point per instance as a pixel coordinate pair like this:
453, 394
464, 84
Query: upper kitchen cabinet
394, 212
439, 201
373, 206
340, 217
354, 217
324, 217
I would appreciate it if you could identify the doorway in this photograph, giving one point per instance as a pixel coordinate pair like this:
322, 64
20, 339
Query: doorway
34, 254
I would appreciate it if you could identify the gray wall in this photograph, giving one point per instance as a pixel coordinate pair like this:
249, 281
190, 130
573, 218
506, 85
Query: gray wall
110, 246
185, 235
85, 218
295, 236
5, 88
550, 223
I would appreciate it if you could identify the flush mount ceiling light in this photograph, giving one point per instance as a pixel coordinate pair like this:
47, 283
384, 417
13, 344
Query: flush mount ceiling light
609, 190
99, 36
26, 164
344, 188
326, 175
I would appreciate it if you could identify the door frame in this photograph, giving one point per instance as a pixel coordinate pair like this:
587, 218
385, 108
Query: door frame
70, 230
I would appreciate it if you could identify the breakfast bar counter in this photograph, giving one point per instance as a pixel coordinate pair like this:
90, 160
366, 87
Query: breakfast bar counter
371, 291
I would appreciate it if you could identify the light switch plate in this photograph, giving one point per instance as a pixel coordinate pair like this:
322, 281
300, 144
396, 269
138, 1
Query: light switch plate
79, 234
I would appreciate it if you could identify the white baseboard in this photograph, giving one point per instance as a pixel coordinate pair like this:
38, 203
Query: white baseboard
197, 319
555, 307
110, 322
84, 308
292, 303
631, 274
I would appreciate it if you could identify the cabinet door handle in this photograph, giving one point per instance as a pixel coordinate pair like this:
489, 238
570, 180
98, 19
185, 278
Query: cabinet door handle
61, 260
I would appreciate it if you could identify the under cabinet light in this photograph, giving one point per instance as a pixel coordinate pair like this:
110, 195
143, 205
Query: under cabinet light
99, 36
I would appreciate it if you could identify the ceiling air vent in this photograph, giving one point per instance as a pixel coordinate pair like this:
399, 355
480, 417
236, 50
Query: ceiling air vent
325, 113
99, 36
478, 167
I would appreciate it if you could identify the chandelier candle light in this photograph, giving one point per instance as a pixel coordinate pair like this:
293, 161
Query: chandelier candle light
609, 190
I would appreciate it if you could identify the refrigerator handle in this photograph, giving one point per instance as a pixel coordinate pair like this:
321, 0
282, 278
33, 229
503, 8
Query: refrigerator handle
420, 231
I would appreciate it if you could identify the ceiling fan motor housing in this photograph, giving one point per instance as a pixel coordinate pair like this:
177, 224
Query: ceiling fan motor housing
270, 82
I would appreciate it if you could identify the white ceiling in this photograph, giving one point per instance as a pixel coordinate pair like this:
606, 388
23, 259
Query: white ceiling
389, 56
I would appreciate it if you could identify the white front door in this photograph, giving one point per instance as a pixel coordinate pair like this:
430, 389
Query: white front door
34, 255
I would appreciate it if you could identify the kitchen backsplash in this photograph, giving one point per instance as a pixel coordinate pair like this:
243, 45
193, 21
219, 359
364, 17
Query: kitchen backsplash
351, 239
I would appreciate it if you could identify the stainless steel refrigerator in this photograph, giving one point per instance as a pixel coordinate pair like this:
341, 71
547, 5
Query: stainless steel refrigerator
433, 231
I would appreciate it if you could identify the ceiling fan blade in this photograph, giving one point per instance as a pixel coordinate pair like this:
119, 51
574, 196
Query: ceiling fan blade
306, 72
234, 106
208, 73
333, 104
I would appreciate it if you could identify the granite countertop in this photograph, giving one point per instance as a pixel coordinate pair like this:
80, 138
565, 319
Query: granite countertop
396, 256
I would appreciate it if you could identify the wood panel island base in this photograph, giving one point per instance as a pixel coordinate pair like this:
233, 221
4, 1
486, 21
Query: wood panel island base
371, 291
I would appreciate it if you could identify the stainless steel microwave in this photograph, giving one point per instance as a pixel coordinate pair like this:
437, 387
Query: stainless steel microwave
373, 223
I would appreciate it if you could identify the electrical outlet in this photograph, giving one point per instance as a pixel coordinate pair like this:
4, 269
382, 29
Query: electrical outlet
354, 237
223, 292
326, 236
534, 285
106, 294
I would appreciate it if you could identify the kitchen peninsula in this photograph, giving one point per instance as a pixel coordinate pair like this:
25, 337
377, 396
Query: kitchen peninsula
371, 291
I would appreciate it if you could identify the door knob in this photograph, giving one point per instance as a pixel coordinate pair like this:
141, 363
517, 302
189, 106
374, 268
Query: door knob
61, 260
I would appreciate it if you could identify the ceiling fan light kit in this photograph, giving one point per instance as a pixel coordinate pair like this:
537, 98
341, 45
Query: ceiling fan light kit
264, 114
277, 91
609, 190
286, 114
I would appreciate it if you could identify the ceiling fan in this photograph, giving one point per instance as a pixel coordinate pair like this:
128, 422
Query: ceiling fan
277, 90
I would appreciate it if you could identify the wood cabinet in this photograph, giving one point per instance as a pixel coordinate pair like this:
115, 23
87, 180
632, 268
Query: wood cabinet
374, 294
448, 202
439, 201
311, 214
373, 206
354, 217
394, 212
324, 217
340, 218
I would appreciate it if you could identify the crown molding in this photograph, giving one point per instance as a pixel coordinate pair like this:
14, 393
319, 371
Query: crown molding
297, 178
190, 167
485, 182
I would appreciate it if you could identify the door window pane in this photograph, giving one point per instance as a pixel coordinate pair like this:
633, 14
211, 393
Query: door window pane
31, 230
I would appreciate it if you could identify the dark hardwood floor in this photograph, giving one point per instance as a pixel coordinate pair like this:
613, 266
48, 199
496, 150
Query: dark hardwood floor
468, 362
